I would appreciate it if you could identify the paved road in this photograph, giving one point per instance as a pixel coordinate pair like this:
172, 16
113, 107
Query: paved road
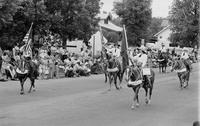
85, 101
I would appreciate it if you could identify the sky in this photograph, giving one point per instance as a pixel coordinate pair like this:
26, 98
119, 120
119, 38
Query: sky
160, 8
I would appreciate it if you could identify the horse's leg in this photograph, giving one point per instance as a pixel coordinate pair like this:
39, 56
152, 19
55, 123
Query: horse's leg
159, 68
146, 94
135, 98
133, 104
187, 78
120, 79
151, 87
110, 80
115, 81
150, 90
180, 79
105, 77
32, 85
22, 81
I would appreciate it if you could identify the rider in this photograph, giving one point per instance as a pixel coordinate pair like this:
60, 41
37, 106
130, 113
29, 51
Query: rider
141, 61
185, 58
163, 49
141, 57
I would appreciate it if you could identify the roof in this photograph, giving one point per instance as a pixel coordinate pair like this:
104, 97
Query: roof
111, 26
102, 16
165, 28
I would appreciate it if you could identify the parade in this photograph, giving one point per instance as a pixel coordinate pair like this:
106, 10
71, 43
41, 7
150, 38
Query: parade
80, 66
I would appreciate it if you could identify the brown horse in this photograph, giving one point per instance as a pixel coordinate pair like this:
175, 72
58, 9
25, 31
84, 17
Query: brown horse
26, 69
162, 62
183, 71
136, 80
114, 71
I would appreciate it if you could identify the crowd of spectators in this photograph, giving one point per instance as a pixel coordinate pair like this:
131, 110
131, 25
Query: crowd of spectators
54, 61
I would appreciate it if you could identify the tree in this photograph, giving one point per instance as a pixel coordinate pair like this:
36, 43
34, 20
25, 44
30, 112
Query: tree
111, 36
73, 19
23, 14
8, 8
184, 20
136, 15
155, 26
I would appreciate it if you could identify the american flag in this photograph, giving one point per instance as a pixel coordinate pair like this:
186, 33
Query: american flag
26, 48
124, 48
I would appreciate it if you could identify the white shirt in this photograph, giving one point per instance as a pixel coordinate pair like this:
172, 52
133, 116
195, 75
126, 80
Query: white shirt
116, 52
184, 55
163, 49
141, 58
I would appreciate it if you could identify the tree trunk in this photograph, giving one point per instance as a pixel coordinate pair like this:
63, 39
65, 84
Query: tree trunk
64, 43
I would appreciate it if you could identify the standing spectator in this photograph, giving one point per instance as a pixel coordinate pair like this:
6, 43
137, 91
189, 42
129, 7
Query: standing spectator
1, 60
163, 49
173, 52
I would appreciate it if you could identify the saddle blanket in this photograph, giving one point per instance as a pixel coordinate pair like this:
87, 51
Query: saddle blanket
181, 70
134, 83
146, 71
20, 72
112, 70
160, 60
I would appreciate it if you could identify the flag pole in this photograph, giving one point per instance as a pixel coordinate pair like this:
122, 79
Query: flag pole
125, 35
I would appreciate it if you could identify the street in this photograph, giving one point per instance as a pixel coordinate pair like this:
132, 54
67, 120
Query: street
85, 101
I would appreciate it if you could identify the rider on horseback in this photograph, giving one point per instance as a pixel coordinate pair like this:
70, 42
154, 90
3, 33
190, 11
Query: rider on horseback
185, 59
140, 60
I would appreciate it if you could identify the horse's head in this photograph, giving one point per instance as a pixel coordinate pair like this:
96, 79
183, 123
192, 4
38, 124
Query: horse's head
175, 64
133, 73
111, 63
22, 65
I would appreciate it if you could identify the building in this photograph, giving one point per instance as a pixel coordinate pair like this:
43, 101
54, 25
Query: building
163, 37
104, 22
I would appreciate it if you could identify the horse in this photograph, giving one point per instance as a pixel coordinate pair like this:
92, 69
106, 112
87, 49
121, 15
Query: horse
162, 61
183, 71
136, 79
26, 69
114, 71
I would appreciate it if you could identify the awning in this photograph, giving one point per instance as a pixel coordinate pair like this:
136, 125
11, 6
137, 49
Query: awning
111, 26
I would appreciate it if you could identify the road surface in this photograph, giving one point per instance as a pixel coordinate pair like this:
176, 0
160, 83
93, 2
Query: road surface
85, 101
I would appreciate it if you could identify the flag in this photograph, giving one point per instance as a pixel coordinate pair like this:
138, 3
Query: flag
103, 53
26, 48
124, 49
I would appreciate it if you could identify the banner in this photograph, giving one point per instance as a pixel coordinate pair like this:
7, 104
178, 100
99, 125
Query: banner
124, 49
26, 48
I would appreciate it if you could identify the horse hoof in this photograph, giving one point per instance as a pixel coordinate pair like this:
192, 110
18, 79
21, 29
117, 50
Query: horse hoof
21, 93
137, 104
132, 107
147, 101
34, 90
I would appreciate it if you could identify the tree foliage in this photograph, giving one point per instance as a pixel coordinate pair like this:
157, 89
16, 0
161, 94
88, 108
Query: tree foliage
136, 15
184, 20
70, 19
155, 26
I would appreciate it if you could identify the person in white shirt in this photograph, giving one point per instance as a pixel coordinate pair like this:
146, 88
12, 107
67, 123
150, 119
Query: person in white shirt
163, 49
185, 58
116, 51
184, 54
140, 58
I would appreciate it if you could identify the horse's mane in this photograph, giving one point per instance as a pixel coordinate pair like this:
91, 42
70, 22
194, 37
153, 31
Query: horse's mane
135, 73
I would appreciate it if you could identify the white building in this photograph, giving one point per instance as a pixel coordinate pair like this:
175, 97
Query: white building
163, 37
